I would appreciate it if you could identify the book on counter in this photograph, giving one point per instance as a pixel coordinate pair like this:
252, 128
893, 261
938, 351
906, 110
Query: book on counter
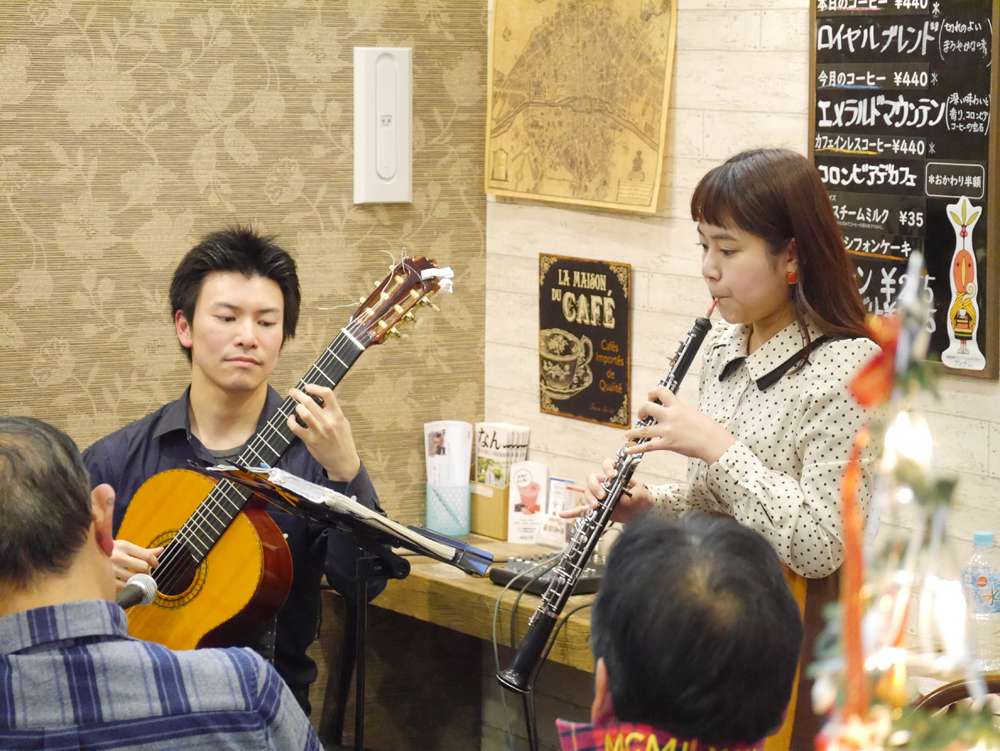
498, 446
526, 500
554, 531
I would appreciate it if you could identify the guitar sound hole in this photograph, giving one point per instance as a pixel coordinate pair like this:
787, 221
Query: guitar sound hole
179, 574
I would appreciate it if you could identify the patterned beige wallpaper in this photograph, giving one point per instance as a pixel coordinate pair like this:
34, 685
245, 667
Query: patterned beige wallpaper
129, 129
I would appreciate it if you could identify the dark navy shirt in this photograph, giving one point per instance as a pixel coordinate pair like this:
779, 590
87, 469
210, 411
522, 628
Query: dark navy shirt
163, 440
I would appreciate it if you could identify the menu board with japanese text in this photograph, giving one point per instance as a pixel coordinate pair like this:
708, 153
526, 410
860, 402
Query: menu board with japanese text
902, 97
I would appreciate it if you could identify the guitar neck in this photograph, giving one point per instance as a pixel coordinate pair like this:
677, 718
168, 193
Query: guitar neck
226, 500
267, 446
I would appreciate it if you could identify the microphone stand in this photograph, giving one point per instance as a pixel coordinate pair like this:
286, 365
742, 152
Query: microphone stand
375, 535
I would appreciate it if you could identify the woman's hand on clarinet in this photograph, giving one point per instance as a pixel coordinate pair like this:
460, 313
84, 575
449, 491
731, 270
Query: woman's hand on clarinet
679, 428
630, 506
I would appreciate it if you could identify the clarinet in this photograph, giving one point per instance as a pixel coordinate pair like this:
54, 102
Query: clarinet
588, 530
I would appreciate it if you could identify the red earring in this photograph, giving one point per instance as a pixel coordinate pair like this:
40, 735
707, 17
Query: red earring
791, 277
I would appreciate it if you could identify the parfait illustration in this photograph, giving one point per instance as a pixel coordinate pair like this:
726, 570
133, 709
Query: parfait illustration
963, 312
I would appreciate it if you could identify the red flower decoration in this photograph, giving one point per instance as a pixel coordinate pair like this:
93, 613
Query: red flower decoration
852, 580
873, 383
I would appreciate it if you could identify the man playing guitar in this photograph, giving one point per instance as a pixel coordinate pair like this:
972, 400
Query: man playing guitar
235, 300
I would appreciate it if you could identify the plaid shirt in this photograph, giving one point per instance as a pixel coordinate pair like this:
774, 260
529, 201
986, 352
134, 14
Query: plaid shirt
579, 736
72, 678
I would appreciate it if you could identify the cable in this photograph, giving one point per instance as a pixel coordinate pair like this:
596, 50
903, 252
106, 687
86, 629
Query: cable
545, 566
529, 715
554, 560
496, 660
496, 650
529, 698
555, 634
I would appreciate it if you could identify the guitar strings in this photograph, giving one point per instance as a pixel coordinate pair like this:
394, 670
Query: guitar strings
174, 558
218, 511
175, 564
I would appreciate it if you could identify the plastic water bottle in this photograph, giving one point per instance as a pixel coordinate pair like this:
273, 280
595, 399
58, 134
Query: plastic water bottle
981, 586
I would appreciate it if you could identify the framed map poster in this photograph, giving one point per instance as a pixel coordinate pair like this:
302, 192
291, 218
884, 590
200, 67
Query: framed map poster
578, 95
902, 110
584, 356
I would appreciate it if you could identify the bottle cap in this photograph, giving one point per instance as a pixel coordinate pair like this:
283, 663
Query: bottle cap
982, 539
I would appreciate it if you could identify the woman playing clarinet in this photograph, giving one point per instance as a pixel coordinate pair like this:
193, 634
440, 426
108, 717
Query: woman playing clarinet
770, 438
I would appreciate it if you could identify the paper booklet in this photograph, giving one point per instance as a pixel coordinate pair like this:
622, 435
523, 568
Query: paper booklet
448, 452
322, 504
498, 446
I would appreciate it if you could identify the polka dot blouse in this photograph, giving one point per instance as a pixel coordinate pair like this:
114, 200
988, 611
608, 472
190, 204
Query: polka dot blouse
794, 432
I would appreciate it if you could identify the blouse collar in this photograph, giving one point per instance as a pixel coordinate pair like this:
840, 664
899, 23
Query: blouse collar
772, 359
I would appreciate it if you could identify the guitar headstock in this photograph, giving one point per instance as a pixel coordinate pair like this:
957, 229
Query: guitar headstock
410, 283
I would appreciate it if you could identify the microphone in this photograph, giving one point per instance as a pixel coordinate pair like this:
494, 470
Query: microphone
140, 589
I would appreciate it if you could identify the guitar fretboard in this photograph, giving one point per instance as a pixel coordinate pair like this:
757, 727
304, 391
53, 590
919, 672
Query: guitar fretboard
218, 510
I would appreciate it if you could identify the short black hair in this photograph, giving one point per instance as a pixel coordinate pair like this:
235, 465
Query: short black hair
698, 629
241, 250
44, 501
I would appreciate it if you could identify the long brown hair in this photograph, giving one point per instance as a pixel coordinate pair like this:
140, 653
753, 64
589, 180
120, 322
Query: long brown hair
778, 196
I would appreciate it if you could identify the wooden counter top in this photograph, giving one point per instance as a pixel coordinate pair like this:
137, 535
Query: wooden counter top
442, 594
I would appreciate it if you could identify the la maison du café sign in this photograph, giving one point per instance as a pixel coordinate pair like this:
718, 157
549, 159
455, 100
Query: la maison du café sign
584, 356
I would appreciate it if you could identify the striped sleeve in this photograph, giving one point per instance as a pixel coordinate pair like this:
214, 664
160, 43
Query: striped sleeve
286, 725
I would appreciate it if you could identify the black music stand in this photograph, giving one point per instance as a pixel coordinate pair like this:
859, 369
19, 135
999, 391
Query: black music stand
375, 534
370, 566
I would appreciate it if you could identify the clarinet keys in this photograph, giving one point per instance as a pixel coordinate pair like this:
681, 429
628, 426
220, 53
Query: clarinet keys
587, 533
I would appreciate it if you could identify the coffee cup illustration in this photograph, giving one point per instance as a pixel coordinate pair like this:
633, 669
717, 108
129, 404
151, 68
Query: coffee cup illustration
561, 356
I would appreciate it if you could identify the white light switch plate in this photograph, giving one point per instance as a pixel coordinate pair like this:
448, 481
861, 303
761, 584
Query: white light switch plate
383, 124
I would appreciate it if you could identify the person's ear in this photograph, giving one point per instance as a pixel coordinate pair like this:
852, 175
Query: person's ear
602, 711
183, 327
792, 263
102, 511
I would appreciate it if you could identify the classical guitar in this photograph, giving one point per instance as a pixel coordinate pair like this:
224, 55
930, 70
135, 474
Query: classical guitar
225, 567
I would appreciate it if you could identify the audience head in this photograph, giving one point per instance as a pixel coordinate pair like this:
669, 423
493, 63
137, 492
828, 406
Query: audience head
50, 516
695, 631
239, 250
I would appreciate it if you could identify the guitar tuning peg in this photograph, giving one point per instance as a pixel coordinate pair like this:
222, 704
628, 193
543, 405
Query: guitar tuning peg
426, 303
393, 333
410, 318
362, 299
